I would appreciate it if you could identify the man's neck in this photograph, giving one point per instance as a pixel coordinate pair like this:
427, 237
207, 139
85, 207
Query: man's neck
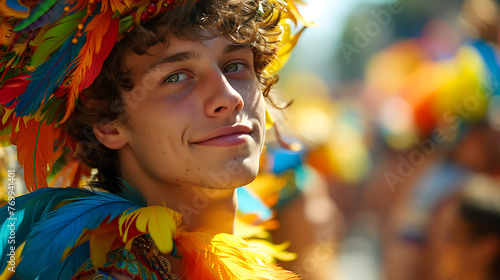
203, 209
206, 210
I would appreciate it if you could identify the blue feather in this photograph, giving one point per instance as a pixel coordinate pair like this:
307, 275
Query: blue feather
64, 225
38, 223
67, 268
15, 5
27, 211
48, 76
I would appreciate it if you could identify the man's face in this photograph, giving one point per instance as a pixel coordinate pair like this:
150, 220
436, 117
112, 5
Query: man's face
196, 115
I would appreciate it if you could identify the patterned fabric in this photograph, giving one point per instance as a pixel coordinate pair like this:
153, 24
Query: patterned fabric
103, 275
124, 262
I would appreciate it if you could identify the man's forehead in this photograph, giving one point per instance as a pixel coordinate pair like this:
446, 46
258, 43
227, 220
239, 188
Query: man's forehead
180, 49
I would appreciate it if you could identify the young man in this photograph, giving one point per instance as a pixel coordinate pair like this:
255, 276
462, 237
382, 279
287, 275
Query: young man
165, 100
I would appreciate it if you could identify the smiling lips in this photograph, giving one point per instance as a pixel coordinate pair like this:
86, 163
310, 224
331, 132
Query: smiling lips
226, 136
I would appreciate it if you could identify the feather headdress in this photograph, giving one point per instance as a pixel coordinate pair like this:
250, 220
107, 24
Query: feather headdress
51, 50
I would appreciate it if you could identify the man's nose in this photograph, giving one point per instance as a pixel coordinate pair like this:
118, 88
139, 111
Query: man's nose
223, 99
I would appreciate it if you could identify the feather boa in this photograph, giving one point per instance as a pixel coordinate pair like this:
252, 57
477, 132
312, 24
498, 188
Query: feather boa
82, 224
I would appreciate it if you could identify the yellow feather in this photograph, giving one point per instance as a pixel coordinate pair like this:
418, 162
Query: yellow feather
277, 251
7, 274
125, 221
291, 12
159, 221
225, 256
6, 115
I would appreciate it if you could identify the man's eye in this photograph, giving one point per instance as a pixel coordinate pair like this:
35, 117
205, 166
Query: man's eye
234, 67
177, 77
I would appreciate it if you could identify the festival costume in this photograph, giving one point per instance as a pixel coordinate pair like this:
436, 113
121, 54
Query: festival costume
50, 51
83, 224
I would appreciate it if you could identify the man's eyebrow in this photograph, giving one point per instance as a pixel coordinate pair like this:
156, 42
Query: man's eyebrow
177, 57
188, 55
235, 47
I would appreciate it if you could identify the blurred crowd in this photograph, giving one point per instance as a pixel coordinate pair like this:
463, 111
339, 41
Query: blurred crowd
397, 175
405, 141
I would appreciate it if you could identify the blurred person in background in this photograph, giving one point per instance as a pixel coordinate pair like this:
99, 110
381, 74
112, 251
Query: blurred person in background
333, 159
437, 99
467, 237
302, 187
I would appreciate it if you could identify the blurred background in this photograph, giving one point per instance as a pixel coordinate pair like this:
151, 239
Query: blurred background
396, 107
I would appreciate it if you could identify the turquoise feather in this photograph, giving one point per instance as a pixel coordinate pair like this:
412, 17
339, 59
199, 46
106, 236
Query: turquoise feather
38, 221
63, 227
28, 210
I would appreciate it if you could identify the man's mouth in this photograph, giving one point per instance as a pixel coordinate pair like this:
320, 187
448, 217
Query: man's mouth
226, 136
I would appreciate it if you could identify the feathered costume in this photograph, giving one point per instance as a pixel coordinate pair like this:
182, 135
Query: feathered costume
50, 51
83, 224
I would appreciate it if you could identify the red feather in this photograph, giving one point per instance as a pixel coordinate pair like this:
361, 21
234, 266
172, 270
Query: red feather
102, 32
12, 88
35, 150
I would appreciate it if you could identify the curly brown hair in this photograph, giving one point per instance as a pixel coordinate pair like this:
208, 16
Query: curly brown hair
253, 22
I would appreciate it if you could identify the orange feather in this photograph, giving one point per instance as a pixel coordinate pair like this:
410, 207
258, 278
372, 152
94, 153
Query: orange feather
70, 175
225, 256
35, 150
101, 33
116, 5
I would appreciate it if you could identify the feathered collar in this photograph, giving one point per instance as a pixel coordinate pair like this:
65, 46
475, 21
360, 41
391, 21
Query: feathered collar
55, 230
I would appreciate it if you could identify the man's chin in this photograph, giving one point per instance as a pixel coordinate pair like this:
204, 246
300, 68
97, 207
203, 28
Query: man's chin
225, 179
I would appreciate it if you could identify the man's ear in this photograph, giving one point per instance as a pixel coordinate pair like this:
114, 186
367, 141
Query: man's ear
109, 135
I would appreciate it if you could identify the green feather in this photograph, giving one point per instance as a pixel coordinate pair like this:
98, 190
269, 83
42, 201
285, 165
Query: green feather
35, 14
125, 24
53, 110
60, 162
51, 37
